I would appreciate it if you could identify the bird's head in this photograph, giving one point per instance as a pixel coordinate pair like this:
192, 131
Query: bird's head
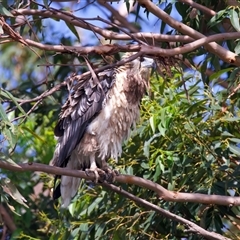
138, 74
142, 65
146, 66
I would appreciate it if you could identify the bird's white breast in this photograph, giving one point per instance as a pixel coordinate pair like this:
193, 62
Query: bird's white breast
113, 124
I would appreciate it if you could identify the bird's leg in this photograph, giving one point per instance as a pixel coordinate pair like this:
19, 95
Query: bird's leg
93, 168
110, 174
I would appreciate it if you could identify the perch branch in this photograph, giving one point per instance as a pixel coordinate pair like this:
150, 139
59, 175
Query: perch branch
163, 193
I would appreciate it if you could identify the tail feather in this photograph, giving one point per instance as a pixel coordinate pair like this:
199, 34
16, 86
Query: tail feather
68, 186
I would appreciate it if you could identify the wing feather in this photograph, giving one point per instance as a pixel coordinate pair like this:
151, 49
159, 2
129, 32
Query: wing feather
84, 103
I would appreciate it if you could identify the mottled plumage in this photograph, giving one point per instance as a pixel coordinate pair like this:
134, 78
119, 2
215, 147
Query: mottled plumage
96, 119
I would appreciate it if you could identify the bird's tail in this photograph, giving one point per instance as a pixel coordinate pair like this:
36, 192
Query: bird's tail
69, 185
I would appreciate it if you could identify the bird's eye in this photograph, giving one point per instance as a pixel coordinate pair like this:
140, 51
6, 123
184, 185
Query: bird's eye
141, 59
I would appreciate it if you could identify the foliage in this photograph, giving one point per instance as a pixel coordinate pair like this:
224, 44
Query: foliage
187, 139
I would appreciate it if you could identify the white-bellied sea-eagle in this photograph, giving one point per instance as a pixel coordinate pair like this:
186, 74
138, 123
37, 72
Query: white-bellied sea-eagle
95, 120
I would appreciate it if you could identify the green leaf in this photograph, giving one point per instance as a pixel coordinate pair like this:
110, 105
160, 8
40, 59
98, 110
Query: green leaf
46, 3
216, 75
7, 159
11, 138
159, 162
236, 140
168, 10
3, 114
162, 129
11, 97
195, 107
4, 11
127, 5
75, 232
99, 232
144, 165
217, 18
227, 134
234, 149
181, 8
11, 190
7, 94
163, 117
234, 18
73, 30
230, 119
146, 149
237, 48
152, 122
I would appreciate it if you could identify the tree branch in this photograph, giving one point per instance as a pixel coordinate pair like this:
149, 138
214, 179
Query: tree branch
118, 16
7, 219
79, 22
163, 193
77, 77
190, 225
200, 7
222, 53
147, 50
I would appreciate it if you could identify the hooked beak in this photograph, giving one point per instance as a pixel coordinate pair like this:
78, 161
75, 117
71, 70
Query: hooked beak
148, 63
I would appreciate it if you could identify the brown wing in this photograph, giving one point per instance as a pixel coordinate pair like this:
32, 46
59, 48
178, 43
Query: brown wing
85, 102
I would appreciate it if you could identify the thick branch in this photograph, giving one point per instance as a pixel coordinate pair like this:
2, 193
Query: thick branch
163, 193
222, 53
7, 219
146, 50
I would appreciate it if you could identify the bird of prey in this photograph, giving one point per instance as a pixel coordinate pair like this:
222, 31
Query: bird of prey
95, 120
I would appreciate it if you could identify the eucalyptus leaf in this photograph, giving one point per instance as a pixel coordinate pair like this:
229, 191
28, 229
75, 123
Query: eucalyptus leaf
11, 190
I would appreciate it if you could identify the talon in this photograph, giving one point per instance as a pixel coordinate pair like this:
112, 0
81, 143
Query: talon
99, 174
111, 174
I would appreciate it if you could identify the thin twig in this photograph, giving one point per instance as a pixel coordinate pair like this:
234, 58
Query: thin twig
118, 16
107, 34
77, 77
